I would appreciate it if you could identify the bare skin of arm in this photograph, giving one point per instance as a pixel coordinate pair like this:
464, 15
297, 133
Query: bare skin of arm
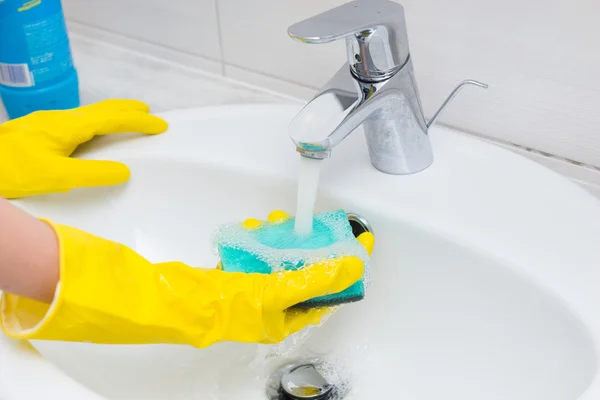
29, 255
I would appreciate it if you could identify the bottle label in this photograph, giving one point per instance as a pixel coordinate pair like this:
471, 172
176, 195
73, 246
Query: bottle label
16, 75
48, 44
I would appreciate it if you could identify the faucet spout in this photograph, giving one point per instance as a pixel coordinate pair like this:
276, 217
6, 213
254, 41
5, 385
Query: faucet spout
329, 117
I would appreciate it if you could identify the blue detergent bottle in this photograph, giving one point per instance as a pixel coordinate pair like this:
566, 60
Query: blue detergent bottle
36, 67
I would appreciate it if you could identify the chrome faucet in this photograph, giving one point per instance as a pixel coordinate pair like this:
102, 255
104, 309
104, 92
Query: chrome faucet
376, 87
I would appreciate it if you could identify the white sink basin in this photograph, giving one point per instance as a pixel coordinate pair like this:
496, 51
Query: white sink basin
485, 270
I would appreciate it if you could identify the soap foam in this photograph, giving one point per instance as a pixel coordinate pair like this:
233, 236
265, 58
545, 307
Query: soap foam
280, 248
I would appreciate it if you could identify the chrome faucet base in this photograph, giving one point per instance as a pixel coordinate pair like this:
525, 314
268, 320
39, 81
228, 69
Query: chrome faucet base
396, 132
395, 145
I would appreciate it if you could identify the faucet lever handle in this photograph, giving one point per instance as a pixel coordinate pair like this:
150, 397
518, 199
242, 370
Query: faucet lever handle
375, 33
452, 94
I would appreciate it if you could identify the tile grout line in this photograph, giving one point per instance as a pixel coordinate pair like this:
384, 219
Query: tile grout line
526, 149
220, 37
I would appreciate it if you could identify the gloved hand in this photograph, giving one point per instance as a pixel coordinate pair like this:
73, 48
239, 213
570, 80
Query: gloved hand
35, 149
110, 294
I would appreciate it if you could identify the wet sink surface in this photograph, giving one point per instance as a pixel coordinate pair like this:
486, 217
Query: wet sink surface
475, 294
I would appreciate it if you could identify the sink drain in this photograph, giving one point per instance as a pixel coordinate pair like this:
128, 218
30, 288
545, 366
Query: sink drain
305, 382
299, 381
359, 224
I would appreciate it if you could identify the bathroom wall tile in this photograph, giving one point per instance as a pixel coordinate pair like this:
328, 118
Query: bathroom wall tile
185, 25
254, 37
539, 57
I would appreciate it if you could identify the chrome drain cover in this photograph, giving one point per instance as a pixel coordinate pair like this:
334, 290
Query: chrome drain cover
299, 381
305, 382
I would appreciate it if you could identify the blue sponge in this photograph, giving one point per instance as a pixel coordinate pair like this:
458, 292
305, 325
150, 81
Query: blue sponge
274, 246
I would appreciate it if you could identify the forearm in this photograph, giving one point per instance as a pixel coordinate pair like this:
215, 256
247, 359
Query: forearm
29, 256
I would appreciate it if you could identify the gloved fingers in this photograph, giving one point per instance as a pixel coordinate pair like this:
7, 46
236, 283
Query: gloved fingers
367, 240
296, 319
117, 104
291, 321
278, 216
288, 288
88, 173
119, 121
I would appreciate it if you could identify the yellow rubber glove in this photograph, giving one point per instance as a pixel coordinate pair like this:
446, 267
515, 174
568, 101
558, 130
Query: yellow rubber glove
35, 149
110, 294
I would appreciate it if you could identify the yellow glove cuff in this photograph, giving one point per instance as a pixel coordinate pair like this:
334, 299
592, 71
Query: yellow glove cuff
24, 318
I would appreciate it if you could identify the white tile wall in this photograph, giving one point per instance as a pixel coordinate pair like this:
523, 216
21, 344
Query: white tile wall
254, 37
185, 25
540, 58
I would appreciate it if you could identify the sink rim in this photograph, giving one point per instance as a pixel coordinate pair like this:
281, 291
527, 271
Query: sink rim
454, 149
